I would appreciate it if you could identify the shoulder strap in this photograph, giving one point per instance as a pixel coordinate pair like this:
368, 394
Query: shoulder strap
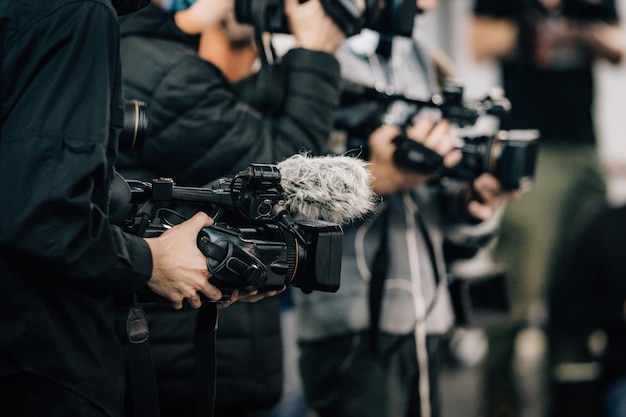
380, 267
205, 359
144, 399
379, 274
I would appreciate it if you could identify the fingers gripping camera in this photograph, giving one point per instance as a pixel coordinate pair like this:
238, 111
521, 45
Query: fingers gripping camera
267, 257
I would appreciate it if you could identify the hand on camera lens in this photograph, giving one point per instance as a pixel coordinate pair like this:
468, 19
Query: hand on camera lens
311, 27
203, 14
437, 136
388, 178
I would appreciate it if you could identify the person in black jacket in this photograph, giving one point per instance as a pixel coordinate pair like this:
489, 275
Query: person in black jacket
62, 261
200, 129
587, 298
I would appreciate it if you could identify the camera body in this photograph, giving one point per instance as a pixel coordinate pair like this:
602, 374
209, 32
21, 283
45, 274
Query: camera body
255, 244
509, 155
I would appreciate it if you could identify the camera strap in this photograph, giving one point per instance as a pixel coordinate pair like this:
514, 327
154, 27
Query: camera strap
377, 281
144, 399
265, 89
141, 375
380, 268
205, 359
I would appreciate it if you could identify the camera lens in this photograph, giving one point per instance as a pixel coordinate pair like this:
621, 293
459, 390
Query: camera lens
135, 128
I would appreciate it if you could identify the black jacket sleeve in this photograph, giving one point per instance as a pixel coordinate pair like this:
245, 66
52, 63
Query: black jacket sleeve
200, 129
61, 102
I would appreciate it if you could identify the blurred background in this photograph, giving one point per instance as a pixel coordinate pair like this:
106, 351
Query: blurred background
448, 28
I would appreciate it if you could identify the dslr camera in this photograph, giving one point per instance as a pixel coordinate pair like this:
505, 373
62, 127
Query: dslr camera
510, 155
254, 244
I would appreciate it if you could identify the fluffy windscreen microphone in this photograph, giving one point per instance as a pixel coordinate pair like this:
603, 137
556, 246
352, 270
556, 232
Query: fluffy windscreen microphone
332, 188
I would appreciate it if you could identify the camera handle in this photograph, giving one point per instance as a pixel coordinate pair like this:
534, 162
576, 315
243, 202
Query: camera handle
416, 157
229, 263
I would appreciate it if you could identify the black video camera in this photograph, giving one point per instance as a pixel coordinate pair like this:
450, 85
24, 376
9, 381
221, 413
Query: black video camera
510, 155
255, 243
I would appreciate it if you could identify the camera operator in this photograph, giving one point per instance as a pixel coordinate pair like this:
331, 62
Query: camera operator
62, 262
546, 52
201, 129
372, 349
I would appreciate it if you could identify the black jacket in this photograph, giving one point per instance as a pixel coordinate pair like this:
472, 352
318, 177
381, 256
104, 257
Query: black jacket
589, 290
61, 261
200, 131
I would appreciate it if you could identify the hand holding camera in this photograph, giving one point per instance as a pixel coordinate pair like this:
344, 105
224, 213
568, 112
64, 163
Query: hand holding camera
311, 27
433, 139
179, 269
509, 155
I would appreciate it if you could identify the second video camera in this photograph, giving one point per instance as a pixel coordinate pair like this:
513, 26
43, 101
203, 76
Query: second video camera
510, 155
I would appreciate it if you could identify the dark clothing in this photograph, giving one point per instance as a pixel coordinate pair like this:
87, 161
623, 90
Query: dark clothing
550, 82
249, 357
44, 398
550, 89
383, 383
199, 131
194, 112
589, 291
61, 261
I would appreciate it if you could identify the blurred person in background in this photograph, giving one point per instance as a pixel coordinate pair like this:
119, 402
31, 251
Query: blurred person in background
183, 59
373, 349
587, 298
546, 51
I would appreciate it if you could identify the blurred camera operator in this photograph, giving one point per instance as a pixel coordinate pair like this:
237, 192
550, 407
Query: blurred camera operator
190, 98
373, 348
546, 52
182, 58
62, 262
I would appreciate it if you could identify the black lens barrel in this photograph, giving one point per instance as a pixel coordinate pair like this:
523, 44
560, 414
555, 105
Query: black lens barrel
133, 134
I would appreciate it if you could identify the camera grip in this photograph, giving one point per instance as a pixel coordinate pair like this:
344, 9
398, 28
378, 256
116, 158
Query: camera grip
414, 156
231, 266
